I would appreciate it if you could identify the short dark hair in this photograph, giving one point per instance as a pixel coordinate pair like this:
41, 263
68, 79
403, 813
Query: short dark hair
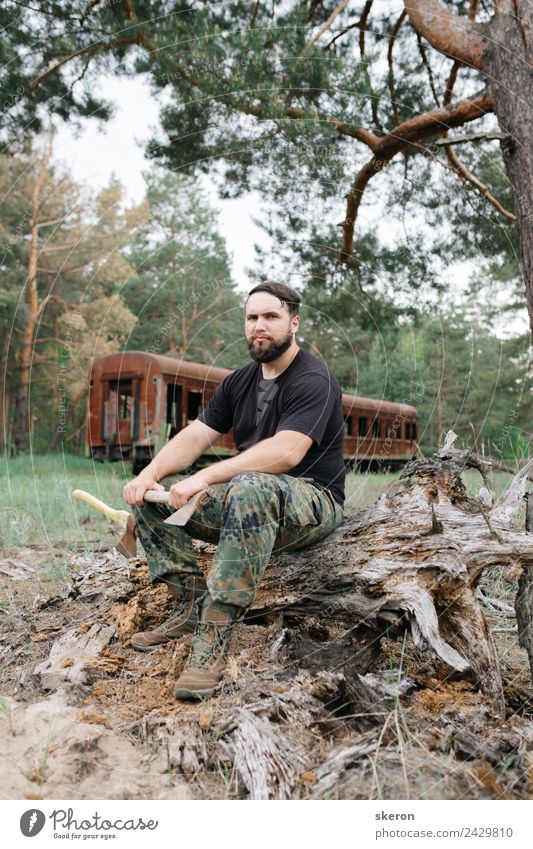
285, 294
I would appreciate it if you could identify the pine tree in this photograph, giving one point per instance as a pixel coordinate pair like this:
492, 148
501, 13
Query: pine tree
181, 293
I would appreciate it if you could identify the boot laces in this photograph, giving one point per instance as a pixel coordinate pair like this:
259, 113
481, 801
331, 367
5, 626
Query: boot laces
178, 612
202, 650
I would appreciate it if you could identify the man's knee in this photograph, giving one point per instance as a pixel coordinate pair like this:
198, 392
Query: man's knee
252, 479
251, 484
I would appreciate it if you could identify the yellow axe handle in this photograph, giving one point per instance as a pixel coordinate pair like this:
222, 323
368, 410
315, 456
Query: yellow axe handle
119, 516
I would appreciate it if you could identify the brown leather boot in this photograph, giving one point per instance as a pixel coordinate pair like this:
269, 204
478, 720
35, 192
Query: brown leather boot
210, 646
183, 619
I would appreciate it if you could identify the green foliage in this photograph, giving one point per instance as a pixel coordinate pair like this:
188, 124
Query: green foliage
181, 292
252, 99
459, 376
249, 99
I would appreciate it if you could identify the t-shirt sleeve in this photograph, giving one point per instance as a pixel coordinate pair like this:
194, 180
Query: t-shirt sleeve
217, 414
308, 405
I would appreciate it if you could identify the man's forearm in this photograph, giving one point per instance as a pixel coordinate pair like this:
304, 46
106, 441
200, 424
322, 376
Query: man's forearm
269, 455
176, 456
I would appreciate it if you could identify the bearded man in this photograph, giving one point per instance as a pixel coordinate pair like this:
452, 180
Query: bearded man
283, 490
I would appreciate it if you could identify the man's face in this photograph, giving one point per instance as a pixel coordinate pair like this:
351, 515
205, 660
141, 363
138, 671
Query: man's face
268, 327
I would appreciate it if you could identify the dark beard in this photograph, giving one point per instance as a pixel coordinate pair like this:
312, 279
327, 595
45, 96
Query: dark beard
272, 352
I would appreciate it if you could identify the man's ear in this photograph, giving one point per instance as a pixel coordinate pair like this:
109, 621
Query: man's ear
295, 321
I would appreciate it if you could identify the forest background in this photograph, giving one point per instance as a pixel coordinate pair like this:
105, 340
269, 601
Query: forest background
247, 96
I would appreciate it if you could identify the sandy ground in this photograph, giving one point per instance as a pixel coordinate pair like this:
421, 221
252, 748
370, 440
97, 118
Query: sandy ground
84, 716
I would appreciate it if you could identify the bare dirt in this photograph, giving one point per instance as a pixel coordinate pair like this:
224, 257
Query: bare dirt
85, 716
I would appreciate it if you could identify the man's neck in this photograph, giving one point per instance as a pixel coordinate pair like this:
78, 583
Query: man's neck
276, 367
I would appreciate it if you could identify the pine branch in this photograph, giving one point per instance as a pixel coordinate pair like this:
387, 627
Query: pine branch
340, 7
360, 25
451, 155
405, 134
90, 50
454, 35
390, 77
425, 62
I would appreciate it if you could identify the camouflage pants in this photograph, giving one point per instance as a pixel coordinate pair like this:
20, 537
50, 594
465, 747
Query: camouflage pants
248, 517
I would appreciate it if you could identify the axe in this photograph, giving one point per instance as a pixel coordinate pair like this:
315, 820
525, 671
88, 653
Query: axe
127, 545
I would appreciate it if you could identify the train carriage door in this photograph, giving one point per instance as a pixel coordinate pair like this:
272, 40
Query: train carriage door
174, 416
119, 419
194, 405
109, 414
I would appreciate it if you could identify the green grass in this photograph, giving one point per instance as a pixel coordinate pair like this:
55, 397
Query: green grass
364, 488
38, 507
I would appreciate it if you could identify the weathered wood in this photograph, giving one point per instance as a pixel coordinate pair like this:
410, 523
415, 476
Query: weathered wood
302, 713
71, 654
524, 596
412, 560
266, 762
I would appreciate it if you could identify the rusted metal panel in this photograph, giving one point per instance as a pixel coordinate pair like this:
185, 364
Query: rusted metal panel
375, 429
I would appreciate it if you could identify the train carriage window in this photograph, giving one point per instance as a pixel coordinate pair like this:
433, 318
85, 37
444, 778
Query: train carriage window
125, 403
194, 405
410, 430
375, 427
363, 426
393, 431
348, 426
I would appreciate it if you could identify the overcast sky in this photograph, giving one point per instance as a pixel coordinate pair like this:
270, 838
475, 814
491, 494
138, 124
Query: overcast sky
117, 147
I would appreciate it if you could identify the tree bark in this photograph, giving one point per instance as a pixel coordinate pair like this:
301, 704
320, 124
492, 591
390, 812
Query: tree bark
21, 425
4, 399
503, 51
509, 66
451, 34
411, 561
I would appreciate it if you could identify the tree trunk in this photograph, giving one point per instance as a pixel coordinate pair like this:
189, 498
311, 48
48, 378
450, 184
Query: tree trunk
307, 698
21, 425
411, 561
509, 65
4, 398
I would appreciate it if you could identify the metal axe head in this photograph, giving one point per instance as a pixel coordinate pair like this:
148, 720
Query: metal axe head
183, 514
127, 544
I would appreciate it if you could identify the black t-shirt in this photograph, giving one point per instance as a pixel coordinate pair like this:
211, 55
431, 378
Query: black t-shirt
306, 398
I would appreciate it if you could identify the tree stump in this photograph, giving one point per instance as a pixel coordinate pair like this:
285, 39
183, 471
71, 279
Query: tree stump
412, 561
306, 709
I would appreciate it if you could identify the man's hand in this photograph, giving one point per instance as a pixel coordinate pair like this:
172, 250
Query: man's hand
133, 492
181, 492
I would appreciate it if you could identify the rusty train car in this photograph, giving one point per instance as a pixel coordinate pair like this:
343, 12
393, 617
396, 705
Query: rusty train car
138, 401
